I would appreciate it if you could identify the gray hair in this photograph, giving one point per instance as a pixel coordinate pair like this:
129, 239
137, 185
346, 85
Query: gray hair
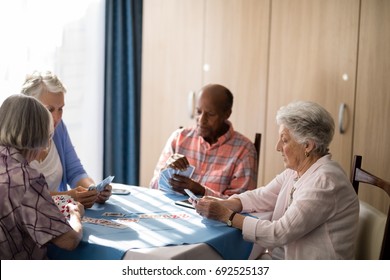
25, 123
308, 120
41, 82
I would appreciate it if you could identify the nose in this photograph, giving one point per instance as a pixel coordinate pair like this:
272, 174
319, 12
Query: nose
202, 118
56, 117
278, 146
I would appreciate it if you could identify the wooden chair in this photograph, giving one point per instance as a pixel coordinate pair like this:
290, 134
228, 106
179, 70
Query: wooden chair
257, 144
373, 235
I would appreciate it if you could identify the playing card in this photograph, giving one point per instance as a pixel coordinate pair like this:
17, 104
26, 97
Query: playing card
89, 220
127, 220
62, 201
113, 214
163, 185
187, 173
166, 174
191, 194
109, 223
103, 222
100, 187
164, 216
171, 172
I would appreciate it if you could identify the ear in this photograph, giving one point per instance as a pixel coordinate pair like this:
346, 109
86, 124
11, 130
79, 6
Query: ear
228, 113
309, 146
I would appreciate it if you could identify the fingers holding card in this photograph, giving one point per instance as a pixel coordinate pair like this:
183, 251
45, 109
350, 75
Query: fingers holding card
168, 173
100, 187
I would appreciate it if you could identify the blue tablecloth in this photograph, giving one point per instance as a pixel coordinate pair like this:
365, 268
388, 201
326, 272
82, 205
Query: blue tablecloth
104, 243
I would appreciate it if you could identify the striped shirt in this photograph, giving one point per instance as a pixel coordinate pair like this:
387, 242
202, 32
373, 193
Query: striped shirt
224, 168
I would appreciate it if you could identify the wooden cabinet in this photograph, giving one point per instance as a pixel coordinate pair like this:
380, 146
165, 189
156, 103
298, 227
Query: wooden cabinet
236, 53
372, 109
190, 43
313, 50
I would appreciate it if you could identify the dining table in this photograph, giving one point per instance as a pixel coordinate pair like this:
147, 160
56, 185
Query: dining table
143, 223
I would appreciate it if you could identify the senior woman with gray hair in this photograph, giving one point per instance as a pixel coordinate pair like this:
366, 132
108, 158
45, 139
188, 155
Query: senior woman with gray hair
314, 206
29, 218
60, 163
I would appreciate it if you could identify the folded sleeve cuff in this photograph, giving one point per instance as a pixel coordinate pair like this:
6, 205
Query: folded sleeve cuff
249, 228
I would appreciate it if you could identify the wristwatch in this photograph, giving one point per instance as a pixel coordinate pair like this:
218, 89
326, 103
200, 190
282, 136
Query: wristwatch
230, 221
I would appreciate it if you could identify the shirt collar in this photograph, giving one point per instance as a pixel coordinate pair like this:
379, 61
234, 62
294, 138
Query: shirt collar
321, 161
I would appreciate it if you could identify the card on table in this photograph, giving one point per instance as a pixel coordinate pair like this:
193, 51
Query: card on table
127, 220
165, 216
103, 222
113, 214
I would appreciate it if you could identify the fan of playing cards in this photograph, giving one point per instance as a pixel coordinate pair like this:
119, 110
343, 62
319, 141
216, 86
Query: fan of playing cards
166, 174
61, 201
100, 187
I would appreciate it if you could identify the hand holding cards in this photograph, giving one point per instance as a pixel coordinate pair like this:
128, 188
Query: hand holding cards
62, 201
100, 187
168, 173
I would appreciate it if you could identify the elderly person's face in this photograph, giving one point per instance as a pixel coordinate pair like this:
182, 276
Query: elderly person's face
55, 103
211, 115
292, 151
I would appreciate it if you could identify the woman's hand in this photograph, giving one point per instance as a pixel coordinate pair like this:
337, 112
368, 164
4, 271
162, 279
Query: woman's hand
104, 195
77, 209
212, 208
84, 196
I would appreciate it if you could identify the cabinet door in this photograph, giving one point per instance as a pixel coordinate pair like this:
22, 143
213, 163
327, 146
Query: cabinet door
372, 111
235, 55
171, 68
313, 50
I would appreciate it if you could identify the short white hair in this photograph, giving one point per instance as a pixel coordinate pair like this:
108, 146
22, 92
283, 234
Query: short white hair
308, 120
41, 82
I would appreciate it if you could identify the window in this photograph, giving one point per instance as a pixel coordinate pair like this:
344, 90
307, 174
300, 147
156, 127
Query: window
66, 37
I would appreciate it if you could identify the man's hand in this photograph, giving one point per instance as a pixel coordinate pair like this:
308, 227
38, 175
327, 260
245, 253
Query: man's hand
179, 183
177, 161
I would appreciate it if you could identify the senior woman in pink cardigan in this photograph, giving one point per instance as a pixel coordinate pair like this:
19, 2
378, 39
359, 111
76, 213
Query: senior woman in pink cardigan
314, 206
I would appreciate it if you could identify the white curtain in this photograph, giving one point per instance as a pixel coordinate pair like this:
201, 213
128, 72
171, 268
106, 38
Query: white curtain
66, 37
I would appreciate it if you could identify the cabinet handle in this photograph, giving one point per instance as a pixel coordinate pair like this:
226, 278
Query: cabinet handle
342, 108
191, 104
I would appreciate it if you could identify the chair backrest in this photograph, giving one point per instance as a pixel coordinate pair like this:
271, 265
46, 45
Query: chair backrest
373, 240
257, 144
